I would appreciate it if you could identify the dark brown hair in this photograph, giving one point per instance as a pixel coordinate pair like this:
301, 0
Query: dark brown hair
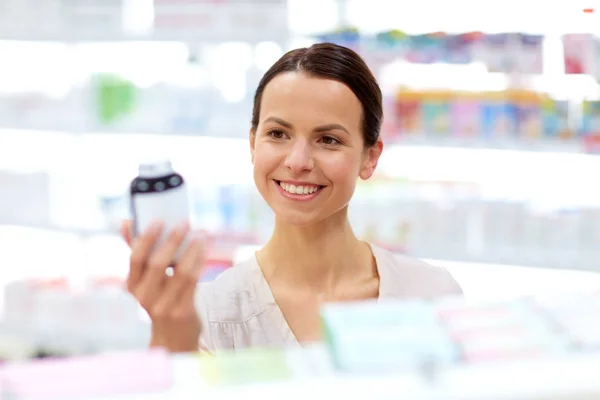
330, 61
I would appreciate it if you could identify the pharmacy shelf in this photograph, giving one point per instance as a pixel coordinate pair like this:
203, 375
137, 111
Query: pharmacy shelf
450, 141
104, 37
572, 378
541, 145
408, 157
482, 261
91, 233
569, 377
114, 21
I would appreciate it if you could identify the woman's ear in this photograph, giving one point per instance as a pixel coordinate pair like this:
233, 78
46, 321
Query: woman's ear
371, 158
252, 138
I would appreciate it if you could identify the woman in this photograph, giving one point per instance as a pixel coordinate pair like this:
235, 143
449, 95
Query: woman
315, 129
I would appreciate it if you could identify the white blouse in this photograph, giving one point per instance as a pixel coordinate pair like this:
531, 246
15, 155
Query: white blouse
239, 311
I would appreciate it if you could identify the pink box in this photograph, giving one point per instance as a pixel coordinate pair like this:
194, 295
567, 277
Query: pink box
91, 376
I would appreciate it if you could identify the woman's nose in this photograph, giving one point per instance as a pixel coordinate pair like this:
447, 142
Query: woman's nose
299, 158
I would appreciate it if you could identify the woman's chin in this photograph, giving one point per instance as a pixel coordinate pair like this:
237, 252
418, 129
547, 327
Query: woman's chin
305, 219
298, 219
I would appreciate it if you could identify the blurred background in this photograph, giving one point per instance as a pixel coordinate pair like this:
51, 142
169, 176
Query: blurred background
492, 127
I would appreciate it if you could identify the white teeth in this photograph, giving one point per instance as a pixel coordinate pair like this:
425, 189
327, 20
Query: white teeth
298, 189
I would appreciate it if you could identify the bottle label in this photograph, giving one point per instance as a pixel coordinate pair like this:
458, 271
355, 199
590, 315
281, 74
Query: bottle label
171, 207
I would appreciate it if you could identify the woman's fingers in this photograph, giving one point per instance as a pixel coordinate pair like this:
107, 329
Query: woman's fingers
169, 300
192, 263
154, 276
126, 231
190, 272
173, 303
141, 248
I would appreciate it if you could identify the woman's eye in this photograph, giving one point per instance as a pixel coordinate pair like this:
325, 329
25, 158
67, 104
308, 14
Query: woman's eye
277, 134
329, 140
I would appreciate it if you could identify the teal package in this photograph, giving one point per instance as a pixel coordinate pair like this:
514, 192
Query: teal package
386, 336
437, 118
590, 121
555, 118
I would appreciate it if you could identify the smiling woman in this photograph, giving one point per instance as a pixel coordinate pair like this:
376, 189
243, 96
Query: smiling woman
315, 130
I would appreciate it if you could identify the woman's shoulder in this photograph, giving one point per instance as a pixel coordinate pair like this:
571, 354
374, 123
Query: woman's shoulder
235, 294
404, 276
239, 274
233, 305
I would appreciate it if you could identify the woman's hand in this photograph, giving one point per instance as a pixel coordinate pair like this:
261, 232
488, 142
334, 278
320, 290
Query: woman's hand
168, 299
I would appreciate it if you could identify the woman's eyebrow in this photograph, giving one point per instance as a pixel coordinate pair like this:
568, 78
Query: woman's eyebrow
322, 128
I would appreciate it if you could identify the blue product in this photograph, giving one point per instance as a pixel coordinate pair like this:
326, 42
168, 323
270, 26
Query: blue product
227, 207
555, 116
498, 117
590, 122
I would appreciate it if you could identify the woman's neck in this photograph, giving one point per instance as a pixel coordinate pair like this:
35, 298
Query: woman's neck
317, 257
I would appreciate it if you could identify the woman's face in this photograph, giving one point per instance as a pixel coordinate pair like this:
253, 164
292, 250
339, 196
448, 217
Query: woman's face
308, 148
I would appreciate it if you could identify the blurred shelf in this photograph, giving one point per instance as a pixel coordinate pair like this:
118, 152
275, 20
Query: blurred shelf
560, 378
50, 228
103, 37
452, 256
541, 145
568, 379
451, 142
215, 135
118, 21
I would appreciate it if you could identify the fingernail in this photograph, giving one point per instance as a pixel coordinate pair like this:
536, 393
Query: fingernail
183, 227
156, 226
200, 236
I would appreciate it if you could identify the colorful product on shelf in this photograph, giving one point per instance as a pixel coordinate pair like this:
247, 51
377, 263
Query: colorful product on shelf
591, 144
497, 115
379, 336
348, 37
590, 122
233, 368
436, 113
458, 49
496, 51
555, 118
426, 49
579, 53
392, 335
99, 376
409, 112
391, 127
529, 56
115, 98
596, 57
505, 52
515, 114
529, 121
384, 48
466, 120
439, 212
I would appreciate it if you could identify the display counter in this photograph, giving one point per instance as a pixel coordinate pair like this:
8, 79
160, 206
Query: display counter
569, 378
